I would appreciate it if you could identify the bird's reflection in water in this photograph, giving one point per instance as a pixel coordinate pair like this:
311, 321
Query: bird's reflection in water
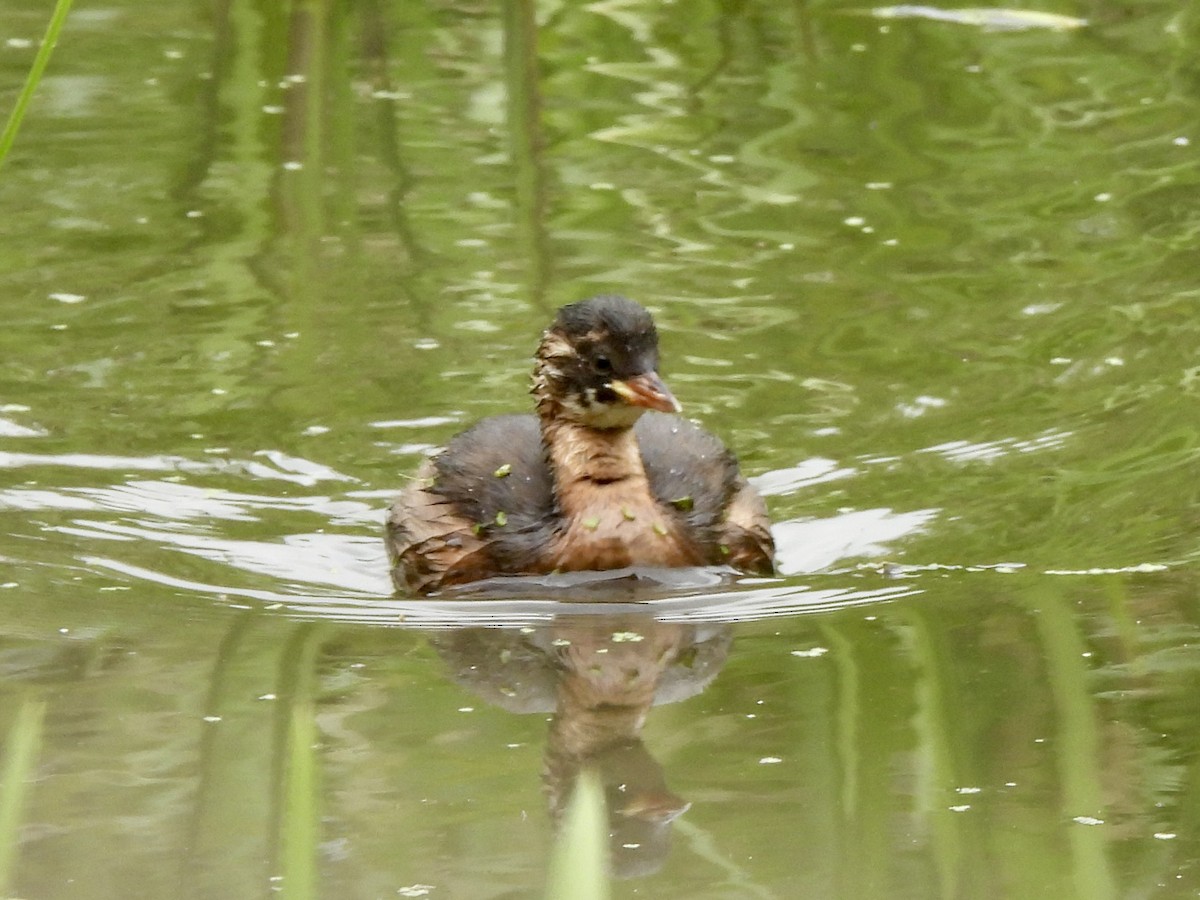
599, 676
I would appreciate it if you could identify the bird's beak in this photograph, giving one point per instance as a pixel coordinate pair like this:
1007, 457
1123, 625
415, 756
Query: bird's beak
647, 391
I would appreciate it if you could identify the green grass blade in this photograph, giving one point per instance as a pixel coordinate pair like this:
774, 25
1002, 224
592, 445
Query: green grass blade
578, 864
301, 832
24, 741
9, 135
298, 802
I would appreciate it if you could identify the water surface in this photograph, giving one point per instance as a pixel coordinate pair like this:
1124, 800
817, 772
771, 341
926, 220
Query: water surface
932, 278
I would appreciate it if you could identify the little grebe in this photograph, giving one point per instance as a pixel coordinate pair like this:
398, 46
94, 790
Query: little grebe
593, 481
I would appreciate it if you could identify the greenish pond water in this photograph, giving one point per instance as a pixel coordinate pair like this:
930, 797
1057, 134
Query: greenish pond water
935, 281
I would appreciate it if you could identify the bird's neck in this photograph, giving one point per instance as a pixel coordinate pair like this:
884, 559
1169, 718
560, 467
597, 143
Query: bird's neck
581, 457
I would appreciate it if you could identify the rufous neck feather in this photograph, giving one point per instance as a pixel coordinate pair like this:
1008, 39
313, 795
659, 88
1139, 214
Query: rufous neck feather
578, 453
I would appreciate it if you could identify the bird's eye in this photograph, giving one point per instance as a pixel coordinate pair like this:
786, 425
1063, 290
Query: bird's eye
603, 365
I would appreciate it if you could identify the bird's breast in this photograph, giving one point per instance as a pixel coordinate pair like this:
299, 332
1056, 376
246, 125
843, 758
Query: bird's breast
610, 526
